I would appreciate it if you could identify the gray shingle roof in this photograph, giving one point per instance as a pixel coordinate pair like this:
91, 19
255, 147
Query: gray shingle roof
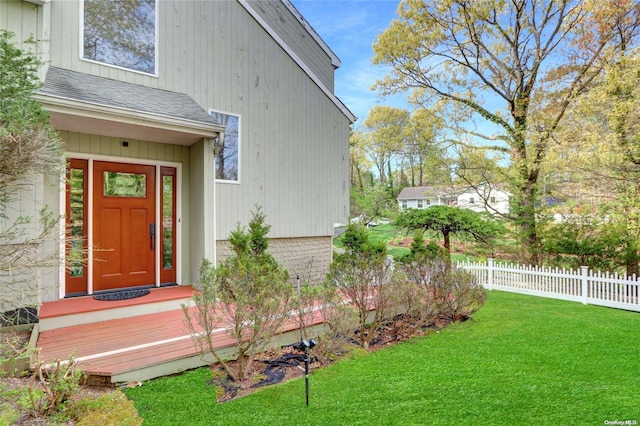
421, 192
117, 94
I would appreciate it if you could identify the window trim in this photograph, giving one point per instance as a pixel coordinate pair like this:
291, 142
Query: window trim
120, 67
239, 116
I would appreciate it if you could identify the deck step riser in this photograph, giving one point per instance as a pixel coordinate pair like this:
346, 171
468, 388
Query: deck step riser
83, 318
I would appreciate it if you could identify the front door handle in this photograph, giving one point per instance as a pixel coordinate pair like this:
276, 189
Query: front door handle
152, 234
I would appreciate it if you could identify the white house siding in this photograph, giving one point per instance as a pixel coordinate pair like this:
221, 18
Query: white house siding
500, 204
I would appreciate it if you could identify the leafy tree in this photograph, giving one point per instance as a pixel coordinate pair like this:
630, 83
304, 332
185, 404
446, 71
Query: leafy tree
358, 160
374, 202
597, 168
449, 221
510, 67
583, 241
29, 147
385, 137
427, 160
29, 144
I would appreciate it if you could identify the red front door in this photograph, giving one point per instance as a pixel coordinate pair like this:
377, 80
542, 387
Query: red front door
124, 234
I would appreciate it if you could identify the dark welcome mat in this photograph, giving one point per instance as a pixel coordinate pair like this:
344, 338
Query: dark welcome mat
122, 294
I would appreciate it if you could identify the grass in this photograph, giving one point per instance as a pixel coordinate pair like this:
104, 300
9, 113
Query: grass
522, 360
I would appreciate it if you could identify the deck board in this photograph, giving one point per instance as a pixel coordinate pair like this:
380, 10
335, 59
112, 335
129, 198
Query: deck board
112, 347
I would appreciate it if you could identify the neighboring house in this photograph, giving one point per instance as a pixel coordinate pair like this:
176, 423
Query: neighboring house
175, 128
479, 199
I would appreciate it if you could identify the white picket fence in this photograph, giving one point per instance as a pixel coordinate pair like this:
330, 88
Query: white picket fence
583, 285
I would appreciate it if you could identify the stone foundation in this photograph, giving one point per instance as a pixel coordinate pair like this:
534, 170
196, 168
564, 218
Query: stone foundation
309, 258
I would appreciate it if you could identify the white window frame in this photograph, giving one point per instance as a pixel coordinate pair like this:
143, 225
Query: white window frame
239, 117
93, 61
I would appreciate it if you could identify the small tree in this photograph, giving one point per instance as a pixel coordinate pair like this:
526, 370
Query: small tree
249, 292
450, 221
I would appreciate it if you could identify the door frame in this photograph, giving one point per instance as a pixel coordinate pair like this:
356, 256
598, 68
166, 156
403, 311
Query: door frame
158, 205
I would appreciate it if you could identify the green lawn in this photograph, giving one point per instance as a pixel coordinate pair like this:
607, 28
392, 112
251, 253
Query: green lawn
522, 360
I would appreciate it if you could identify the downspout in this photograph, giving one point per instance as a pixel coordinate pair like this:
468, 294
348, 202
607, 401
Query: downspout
216, 144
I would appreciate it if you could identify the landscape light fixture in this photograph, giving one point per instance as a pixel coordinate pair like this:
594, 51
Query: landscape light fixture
306, 345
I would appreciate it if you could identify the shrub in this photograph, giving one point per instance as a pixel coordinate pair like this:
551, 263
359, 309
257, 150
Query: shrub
338, 319
441, 290
458, 295
364, 275
249, 291
420, 251
13, 347
51, 386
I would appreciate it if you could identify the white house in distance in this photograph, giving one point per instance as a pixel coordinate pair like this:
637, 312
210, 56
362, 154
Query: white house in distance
483, 198
173, 133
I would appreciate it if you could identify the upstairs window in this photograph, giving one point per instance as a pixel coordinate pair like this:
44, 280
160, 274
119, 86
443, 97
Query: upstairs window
227, 160
120, 33
404, 204
419, 204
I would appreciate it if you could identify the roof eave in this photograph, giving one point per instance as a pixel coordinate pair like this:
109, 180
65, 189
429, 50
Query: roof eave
86, 117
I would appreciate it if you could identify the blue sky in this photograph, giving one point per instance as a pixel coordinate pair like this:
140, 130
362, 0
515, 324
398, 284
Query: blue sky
350, 27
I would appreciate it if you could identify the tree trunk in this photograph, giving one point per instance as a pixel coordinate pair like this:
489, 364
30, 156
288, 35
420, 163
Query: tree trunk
526, 166
447, 247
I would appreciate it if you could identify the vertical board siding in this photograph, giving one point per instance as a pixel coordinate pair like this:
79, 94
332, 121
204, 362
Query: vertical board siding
294, 139
23, 20
110, 146
289, 28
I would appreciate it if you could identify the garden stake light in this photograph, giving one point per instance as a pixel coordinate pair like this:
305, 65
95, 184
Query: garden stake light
306, 345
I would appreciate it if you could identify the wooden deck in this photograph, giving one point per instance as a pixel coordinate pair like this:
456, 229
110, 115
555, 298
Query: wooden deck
118, 341
130, 340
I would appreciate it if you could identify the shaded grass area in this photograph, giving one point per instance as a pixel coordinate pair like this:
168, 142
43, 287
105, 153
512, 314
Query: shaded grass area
522, 360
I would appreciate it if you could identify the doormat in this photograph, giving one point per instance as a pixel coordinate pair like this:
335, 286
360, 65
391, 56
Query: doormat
122, 294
